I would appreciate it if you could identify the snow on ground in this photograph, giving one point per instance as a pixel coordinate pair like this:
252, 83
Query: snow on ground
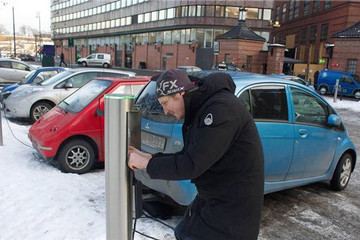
37, 201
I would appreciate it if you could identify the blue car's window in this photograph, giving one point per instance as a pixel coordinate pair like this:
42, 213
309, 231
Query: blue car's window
356, 77
266, 103
27, 77
56, 78
308, 109
150, 106
81, 98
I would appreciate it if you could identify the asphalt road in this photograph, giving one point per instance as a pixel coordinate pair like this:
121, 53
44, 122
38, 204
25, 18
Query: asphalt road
315, 211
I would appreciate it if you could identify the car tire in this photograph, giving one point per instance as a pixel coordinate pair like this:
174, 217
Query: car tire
323, 90
39, 109
357, 94
342, 173
76, 156
84, 64
106, 65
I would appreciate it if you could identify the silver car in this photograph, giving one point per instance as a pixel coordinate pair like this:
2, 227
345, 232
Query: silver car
13, 71
97, 60
33, 101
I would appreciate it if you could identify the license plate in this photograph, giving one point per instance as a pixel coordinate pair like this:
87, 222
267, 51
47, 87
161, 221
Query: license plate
153, 141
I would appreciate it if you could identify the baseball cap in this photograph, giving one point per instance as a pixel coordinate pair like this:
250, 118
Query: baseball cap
172, 81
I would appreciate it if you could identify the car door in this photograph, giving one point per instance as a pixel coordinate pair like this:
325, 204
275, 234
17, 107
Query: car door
315, 142
269, 108
6, 71
347, 85
99, 59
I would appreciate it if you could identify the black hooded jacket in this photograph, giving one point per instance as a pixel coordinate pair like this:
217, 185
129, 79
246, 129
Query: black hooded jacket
223, 156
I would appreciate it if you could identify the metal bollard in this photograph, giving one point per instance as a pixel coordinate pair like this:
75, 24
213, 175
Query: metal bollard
1, 132
119, 189
336, 88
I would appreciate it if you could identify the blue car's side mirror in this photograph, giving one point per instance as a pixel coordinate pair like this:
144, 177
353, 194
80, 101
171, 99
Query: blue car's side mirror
334, 120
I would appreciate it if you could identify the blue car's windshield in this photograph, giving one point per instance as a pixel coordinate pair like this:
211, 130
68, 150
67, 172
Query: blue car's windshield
85, 95
56, 78
27, 77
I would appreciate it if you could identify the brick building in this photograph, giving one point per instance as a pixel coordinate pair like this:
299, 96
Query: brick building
307, 28
346, 53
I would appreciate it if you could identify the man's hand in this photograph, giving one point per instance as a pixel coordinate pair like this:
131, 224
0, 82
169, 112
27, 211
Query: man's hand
138, 159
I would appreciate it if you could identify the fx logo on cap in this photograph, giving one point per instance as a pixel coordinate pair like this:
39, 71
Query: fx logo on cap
168, 87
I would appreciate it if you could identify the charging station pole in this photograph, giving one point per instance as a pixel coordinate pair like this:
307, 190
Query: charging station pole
119, 190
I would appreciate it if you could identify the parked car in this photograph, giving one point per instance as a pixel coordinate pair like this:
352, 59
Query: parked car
303, 138
349, 84
33, 101
292, 78
26, 57
35, 76
190, 69
96, 60
72, 133
12, 71
226, 67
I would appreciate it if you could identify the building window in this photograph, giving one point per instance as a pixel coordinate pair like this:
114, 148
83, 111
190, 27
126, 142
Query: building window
219, 11
316, 6
154, 16
324, 32
227, 58
252, 13
170, 13
167, 37
209, 11
277, 18
306, 7
313, 34
267, 14
303, 35
248, 63
162, 14
291, 10
200, 12
327, 4
352, 66
184, 11
296, 10
232, 12
147, 17
283, 17
192, 11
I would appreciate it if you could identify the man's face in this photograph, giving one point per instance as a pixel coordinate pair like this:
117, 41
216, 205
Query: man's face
173, 104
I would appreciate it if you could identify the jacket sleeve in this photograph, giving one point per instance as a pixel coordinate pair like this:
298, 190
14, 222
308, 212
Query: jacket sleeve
211, 139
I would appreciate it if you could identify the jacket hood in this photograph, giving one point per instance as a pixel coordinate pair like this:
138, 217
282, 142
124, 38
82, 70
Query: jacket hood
207, 87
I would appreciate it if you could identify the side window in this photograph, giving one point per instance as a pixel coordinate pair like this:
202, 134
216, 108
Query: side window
92, 56
245, 98
47, 74
268, 103
128, 89
5, 64
308, 109
347, 79
100, 56
19, 66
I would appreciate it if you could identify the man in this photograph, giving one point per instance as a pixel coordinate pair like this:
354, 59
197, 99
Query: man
222, 155
62, 59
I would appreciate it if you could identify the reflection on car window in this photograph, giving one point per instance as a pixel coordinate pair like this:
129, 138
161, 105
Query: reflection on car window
56, 78
150, 106
308, 109
266, 103
19, 66
81, 98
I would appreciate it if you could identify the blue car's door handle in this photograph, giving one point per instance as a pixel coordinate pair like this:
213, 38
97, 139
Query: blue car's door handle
303, 132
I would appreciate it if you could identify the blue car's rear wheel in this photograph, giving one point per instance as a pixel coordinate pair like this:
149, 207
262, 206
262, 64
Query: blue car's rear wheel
342, 173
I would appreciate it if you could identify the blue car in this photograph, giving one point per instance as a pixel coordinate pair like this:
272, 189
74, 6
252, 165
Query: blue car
35, 76
304, 139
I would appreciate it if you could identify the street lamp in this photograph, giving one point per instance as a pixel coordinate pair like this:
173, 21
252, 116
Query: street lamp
38, 16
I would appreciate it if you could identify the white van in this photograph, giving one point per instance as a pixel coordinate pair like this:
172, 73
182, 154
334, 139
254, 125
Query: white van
96, 60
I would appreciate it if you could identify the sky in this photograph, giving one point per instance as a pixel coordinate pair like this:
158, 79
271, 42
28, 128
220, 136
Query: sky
25, 14
38, 202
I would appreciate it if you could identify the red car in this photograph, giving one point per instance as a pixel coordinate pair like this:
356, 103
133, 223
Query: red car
73, 132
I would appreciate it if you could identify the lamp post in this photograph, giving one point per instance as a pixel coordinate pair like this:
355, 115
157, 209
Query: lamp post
14, 30
38, 16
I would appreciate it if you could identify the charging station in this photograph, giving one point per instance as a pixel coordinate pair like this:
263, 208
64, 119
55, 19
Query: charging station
123, 193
